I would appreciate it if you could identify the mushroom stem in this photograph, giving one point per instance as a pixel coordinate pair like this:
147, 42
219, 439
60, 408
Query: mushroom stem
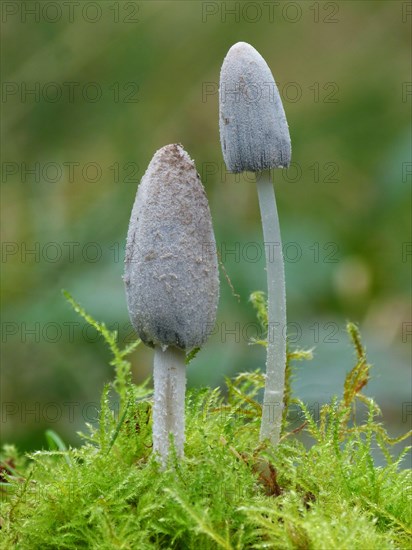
276, 341
169, 375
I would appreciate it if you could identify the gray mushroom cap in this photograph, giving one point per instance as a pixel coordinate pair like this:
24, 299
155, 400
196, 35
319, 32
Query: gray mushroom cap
254, 133
171, 272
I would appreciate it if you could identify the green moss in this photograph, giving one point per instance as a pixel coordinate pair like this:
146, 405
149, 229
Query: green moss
229, 492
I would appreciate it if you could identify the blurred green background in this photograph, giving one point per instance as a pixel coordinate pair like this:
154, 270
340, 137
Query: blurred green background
92, 89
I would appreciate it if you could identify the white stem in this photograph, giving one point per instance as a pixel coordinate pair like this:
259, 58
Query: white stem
169, 373
276, 345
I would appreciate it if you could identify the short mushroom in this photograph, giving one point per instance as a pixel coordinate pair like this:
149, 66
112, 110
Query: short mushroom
171, 280
255, 137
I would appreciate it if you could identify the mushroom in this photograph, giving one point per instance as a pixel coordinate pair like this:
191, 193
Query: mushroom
171, 281
255, 137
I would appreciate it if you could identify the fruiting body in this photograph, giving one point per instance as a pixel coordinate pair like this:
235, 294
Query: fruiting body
171, 279
171, 273
255, 137
254, 132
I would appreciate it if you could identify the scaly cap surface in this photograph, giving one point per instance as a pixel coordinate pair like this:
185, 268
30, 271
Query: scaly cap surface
254, 133
171, 272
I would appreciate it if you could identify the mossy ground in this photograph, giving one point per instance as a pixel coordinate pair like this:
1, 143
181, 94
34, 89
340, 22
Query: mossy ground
229, 492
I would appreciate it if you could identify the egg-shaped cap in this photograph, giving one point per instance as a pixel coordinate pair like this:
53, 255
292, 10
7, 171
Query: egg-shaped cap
171, 271
254, 133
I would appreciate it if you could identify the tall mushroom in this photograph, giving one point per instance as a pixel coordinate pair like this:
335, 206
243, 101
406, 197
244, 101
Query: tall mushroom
171, 280
255, 137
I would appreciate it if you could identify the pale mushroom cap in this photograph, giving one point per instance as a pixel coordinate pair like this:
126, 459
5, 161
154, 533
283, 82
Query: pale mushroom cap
171, 272
254, 133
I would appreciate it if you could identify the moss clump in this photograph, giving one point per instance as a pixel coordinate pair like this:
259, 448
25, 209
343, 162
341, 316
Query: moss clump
230, 491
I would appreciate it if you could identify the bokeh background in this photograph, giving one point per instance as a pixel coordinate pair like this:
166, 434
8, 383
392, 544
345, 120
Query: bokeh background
92, 89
